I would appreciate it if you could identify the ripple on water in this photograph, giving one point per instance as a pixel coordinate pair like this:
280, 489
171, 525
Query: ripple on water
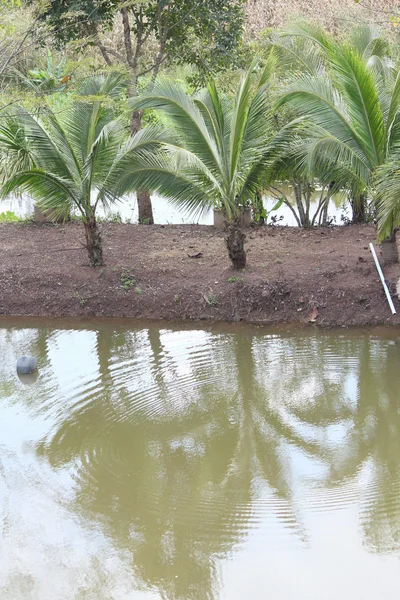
209, 436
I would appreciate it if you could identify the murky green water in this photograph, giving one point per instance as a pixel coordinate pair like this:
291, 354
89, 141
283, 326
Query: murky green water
229, 463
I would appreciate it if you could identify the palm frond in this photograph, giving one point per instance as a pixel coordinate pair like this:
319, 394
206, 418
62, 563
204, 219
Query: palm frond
353, 78
387, 198
368, 41
240, 115
148, 140
297, 55
355, 82
310, 32
43, 146
50, 191
392, 121
15, 152
185, 117
161, 173
319, 101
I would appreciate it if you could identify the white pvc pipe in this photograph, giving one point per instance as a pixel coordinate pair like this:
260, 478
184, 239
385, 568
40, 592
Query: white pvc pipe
385, 287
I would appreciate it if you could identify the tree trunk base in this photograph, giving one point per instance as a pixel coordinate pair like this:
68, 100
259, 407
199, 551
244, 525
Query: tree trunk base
235, 243
145, 208
94, 244
389, 250
358, 208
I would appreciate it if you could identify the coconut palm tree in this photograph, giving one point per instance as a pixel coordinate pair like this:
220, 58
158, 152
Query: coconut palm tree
387, 185
218, 149
350, 105
74, 157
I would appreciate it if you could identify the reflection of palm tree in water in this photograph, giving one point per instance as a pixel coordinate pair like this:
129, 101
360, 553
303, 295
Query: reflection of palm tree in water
372, 445
178, 487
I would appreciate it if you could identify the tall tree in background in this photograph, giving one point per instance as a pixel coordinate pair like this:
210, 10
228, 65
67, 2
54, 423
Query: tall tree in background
203, 33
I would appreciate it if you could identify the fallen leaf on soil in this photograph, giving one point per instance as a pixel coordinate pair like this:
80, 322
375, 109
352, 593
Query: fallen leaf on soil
312, 317
198, 255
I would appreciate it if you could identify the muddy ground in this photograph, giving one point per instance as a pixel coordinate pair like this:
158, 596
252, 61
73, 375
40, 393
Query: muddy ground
182, 272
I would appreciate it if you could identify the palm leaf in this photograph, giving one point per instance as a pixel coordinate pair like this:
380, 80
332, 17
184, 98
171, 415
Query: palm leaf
50, 191
387, 186
185, 117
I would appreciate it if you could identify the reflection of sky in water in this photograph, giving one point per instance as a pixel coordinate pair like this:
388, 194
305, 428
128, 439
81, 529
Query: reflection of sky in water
305, 542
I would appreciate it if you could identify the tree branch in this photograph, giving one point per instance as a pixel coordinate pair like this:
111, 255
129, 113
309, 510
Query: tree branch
114, 53
278, 194
104, 52
155, 19
127, 38
154, 65
20, 45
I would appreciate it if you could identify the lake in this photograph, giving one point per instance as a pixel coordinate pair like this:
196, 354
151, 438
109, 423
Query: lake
157, 461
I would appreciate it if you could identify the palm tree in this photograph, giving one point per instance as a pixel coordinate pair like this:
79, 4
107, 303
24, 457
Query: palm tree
218, 149
387, 186
348, 109
74, 157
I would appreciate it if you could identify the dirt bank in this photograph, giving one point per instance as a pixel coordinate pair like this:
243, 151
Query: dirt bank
326, 275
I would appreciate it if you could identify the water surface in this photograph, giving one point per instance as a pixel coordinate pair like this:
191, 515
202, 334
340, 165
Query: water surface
168, 214
154, 463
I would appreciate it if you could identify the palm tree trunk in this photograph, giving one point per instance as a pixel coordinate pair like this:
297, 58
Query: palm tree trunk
258, 209
145, 209
325, 213
93, 243
390, 253
298, 192
235, 244
358, 206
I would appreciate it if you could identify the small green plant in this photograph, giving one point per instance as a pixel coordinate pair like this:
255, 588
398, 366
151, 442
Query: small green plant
278, 261
212, 300
235, 279
82, 301
144, 221
127, 279
10, 217
260, 213
138, 290
177, 299
114, 217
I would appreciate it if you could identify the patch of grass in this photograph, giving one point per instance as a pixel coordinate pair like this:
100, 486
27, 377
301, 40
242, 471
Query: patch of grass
235, 279
212, 300
82, 301
114, 217
10, 217
126, 278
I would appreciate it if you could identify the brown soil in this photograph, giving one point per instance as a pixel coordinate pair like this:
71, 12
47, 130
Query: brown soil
326, 275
